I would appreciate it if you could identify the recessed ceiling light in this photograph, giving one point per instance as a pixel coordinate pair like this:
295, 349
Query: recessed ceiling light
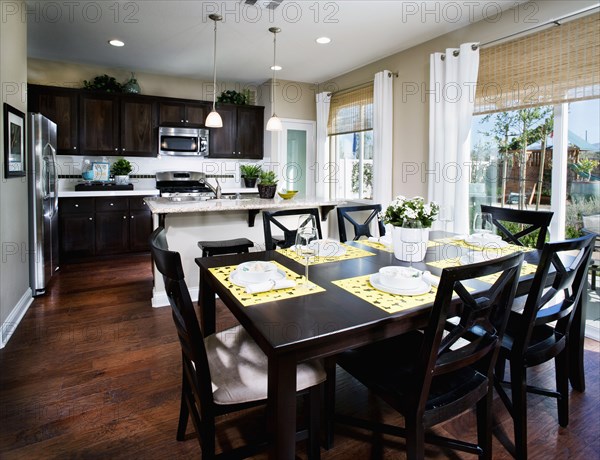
323, 40
276, 67
117, 43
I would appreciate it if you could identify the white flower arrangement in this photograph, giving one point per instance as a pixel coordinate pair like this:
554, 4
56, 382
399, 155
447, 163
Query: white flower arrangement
410, 208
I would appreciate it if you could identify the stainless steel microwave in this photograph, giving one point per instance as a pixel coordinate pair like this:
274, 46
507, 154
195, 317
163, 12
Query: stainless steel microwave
180, 141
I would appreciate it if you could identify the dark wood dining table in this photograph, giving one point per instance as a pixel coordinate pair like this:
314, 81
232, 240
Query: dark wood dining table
322, 324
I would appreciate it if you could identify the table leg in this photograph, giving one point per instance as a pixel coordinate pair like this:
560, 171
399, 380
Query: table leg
282, 407
576, 342
207, 304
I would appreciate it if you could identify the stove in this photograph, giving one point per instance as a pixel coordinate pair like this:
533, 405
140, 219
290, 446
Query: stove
184, 186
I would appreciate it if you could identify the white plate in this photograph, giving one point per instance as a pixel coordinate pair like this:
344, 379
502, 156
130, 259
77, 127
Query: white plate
256, 271
234, 278
330, 248
487, 243
424, 288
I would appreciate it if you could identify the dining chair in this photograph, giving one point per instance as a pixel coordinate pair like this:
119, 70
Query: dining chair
348, 213
433, 375
541, 331
224, 372
534, 220
289, 234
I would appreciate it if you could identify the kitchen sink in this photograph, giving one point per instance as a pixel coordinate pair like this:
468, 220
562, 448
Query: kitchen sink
186, 198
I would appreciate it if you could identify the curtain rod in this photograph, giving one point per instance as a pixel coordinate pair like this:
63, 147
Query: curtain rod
556, 22
362, 85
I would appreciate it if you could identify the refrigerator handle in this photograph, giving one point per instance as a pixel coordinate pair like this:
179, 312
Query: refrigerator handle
52, 176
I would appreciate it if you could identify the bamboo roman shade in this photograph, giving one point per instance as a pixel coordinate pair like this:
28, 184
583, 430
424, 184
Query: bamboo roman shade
351, 111
560, 64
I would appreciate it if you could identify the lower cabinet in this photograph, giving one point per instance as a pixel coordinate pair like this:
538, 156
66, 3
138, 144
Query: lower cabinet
103, 226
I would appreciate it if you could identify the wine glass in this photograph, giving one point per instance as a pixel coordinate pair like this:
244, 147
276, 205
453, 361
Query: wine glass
306, 241
482, 224
412, 238
446, 215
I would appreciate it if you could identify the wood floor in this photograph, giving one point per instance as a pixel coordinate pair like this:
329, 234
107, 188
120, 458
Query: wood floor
93, 372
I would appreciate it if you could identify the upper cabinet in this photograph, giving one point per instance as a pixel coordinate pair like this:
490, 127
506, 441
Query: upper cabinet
117, 125
60, 106
178, 113
242, 133
107, 124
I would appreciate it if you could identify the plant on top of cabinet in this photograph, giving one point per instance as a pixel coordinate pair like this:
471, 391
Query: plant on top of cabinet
104, 83
233, 97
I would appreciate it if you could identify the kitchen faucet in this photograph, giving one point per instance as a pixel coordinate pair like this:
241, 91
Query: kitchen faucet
216, 190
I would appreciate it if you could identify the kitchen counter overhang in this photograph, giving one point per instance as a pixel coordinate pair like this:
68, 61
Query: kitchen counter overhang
163, 206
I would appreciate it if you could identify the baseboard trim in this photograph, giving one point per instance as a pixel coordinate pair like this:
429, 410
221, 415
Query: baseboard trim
14, 318
592, 330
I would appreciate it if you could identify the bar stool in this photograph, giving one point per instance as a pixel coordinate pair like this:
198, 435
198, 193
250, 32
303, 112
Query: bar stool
217, 248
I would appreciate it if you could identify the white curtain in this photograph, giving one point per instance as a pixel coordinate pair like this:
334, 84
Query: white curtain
452, 84
321, 171
383, 117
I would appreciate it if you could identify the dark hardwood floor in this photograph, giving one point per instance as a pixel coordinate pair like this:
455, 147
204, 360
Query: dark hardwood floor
93, 371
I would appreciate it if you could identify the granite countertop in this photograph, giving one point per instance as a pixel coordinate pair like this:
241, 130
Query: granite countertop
101, 193
159, 205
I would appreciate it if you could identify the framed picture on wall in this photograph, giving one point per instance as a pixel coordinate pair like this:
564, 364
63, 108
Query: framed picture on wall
14, 142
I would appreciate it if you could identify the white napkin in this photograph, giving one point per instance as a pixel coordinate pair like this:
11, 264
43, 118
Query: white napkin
270, 285
431, 279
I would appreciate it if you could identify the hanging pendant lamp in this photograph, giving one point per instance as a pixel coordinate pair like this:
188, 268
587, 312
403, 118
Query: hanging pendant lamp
213, 120
274, 123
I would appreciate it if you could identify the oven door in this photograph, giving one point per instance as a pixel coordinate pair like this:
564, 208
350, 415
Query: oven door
180, 142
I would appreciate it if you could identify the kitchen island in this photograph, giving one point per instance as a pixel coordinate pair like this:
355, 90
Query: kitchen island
188, 222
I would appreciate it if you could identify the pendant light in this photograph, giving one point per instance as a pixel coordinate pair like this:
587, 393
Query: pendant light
274, 123
213, 120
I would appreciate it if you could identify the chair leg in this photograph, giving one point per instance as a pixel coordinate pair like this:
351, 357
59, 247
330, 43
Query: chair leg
415, 439
330, 369
314, 419
484, 424
562, 386
518, 381
184, 413
500, 369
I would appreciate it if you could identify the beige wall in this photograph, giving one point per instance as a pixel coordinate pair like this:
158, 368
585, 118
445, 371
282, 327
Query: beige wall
14, 268
411, 112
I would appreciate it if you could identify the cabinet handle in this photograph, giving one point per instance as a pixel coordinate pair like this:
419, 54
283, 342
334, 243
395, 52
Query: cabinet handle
74, 148
181, 121
187, 121
116, 149
112, 204
90, 218
233, 153
132, 217
122, 150
76, 205
124, 217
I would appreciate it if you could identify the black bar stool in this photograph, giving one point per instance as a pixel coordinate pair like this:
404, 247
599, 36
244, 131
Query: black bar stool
217, 248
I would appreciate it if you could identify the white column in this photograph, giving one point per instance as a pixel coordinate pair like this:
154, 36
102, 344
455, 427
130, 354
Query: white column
558, 202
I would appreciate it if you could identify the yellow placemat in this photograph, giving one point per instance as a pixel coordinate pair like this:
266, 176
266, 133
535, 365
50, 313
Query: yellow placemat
462, 243
222, 274
391, 303
383, 247
526, 268
351, 253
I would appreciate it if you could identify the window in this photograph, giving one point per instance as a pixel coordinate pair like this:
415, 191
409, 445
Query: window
350, 132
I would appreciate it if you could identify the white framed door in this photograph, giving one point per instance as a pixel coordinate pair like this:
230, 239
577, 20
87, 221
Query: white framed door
296, 148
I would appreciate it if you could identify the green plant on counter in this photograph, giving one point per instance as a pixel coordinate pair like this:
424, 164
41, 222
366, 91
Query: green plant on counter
121, 167
233, 97
267, 178
250, 171
104, 83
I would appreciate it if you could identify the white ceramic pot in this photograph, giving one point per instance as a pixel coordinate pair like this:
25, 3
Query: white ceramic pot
411, 245
121, 180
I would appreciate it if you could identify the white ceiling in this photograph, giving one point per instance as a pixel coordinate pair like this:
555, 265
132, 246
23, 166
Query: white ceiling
175, 37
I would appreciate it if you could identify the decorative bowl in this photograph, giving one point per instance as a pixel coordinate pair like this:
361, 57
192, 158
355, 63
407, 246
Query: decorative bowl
401, 277
256, 271
287, 195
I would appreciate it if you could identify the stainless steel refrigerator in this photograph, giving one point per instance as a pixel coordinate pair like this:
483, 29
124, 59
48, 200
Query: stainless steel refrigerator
43, 202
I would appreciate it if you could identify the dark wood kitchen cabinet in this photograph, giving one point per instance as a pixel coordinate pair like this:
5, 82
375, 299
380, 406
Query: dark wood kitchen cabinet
241, 135
60, 106
192, 114
103, 226
117, 125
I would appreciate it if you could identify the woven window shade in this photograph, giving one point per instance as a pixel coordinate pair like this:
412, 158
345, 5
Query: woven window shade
351, 111
561, 64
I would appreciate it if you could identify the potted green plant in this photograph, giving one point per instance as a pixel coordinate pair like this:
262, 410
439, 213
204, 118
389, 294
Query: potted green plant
586, 188
267, 185
120, 169
250, 173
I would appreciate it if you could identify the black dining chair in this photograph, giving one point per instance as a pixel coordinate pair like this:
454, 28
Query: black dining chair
541, 331
531, 221
443, 371
289, 234
226, 371
349, 213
